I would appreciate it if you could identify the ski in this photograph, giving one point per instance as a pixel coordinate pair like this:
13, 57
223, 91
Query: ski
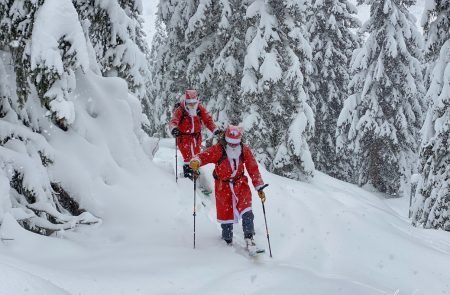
255, 252
240, 247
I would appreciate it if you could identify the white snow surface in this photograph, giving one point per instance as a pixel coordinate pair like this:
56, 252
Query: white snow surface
327, 237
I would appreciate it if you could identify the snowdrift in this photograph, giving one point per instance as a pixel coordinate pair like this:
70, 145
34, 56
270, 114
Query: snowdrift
328, 237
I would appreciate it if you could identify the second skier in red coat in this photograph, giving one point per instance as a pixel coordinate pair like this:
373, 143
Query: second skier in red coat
186, 126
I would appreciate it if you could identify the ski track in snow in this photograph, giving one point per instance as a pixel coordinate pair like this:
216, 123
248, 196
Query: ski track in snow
328, 237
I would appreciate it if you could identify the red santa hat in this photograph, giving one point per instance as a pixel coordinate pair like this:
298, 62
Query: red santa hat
190, 96
233, 134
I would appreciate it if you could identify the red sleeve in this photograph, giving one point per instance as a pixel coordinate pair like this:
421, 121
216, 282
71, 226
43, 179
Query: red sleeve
252, 167
210, 155
175, 120
207, 119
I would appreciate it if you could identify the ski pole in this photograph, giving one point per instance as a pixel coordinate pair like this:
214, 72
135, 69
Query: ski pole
265, 220
195, 200
267, 230
176, 160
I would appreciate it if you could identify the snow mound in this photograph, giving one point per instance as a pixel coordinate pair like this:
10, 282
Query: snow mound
18, 282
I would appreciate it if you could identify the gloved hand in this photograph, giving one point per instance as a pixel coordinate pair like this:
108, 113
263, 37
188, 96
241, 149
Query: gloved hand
218, 132
195, 165
262, 195
175, 132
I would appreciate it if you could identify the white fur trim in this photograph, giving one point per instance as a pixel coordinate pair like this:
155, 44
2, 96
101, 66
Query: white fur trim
235, 221
245, 211
226, 221
191, 100
198, 159
232, 140
234, 200
259, 186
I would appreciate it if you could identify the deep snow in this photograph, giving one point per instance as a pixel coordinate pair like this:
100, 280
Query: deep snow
328, 237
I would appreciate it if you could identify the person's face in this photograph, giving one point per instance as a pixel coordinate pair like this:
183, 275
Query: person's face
192, 105
233, 145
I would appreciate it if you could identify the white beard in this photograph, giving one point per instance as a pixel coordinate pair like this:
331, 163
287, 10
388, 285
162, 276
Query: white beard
233, 153
192, 112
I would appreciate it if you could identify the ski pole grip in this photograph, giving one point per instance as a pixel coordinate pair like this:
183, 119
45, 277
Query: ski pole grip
263, 187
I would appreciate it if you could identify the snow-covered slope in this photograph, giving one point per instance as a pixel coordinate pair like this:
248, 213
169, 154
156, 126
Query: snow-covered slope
328, 237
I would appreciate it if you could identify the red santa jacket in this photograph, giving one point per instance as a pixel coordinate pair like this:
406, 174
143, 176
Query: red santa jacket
190, 139
233, 194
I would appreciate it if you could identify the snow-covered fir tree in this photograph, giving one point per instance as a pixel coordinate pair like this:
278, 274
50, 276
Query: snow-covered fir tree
435, 26
216, 58
277, 117
139, 75
157, 104
204, 50
431, 207
5, 23
45, 56
44, 47
115, 29
378, 126
330, 26
169, 78
229, 62
16, 24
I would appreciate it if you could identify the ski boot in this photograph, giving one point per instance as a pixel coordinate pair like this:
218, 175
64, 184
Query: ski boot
251, 246
187, 171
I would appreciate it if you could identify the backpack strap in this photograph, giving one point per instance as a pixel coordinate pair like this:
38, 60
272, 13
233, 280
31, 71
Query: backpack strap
223, 157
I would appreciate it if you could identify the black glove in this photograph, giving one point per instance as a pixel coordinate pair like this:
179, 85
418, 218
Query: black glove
175, 132
218, 132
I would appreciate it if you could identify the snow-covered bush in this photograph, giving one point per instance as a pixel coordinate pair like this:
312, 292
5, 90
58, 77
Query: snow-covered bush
115, 30
53, 107
28, 190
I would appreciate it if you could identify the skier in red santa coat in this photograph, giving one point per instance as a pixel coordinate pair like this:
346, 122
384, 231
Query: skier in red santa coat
186, 124
233, 195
